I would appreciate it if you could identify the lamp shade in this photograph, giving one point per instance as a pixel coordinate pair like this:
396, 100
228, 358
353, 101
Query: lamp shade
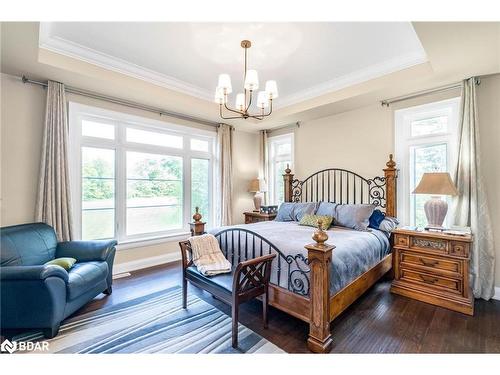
438, 183
272, 89
219, 96
252, 80
257, 185
225, 83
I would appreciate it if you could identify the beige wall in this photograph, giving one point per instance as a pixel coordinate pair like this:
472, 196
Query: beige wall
22, 115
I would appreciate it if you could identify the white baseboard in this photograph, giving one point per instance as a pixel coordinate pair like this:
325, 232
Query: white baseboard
145, 263
497, 293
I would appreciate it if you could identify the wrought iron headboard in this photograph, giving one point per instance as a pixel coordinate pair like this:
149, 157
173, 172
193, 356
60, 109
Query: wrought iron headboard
345, 187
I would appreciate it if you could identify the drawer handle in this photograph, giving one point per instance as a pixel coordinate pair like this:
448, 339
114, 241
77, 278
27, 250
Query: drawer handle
430, 280
431, 263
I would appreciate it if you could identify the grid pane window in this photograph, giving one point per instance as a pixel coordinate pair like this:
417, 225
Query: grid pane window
280, 151
200, 186
426, 158
154, 193
97, 129
98, 193
426, 141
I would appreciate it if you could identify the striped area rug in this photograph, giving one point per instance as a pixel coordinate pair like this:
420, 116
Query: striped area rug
155, 323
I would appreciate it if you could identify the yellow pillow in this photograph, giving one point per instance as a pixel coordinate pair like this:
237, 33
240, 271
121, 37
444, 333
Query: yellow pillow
312, 221
65, 263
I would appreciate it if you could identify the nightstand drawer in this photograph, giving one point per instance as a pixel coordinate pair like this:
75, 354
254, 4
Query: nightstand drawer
437, 245
460, 249
401, 240
431, 264
436, 282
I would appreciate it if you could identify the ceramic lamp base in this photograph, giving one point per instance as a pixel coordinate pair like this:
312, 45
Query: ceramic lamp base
257, 201
435, 211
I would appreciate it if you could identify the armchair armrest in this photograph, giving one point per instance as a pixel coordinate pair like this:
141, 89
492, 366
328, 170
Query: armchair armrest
32, 272
252, 273
84, 251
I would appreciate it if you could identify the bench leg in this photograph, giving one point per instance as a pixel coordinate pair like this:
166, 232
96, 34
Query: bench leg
184, 293
265, 305
234, 315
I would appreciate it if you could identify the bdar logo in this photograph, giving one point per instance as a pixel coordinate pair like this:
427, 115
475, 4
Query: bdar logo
9, 347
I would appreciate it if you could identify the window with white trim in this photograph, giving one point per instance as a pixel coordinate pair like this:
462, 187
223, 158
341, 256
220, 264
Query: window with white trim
280, 154
426, 141
134, 178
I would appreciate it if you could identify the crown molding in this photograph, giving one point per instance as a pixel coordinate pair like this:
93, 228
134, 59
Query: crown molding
356, 77
77, 51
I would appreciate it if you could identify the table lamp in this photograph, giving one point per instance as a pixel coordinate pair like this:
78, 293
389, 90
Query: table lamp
437, 184
257, 186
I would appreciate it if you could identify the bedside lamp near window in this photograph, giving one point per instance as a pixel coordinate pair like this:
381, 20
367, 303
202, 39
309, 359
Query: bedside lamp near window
257, 186
435, 208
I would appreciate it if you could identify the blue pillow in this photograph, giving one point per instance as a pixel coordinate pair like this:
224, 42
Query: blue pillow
376, 218
326, 209
301, 209
285, 212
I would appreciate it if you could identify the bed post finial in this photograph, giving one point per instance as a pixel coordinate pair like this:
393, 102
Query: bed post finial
288, 179
319, 255
391, 173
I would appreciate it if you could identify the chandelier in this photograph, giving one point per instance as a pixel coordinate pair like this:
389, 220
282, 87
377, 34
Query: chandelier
244, 100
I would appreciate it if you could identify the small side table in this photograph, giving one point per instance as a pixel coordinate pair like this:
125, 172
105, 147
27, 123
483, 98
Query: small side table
197, 228
255, 217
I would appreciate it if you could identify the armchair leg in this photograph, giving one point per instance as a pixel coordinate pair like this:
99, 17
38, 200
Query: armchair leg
265, 305
51, 332
234, 315
108, 291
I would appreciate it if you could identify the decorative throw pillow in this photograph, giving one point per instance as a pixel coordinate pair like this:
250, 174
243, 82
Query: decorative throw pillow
312, 221
326, 209
285, 212
354, 216
388, 224
376, 219
65, 263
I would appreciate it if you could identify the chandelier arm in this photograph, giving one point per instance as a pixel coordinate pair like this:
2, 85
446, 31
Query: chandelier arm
232, 110
250, 102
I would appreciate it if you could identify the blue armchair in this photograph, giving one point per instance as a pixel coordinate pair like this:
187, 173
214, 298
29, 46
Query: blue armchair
34, 295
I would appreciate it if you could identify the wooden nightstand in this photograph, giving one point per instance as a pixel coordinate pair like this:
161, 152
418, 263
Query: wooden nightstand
255, 217
434, 268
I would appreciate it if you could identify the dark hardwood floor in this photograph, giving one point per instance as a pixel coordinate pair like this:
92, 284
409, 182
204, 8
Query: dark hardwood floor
378, 322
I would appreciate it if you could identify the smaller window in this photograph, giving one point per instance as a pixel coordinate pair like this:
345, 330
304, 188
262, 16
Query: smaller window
97, 130
280, 151
154, 138
199, 145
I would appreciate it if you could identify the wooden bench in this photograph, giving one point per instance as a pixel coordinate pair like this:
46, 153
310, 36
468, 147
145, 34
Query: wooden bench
248, 280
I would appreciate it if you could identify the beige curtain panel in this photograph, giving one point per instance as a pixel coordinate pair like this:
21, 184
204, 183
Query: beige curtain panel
53, 205
471, 207
225, 175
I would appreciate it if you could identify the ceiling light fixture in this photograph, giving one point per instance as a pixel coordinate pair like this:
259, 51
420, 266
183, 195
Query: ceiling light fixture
244, 100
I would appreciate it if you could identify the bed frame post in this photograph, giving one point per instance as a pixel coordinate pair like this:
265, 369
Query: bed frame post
390, 179
319, 255
288, 179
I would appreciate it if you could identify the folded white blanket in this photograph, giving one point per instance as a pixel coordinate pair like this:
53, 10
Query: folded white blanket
207, 255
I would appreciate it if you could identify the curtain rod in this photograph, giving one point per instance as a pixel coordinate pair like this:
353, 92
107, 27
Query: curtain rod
453, 86
127, 103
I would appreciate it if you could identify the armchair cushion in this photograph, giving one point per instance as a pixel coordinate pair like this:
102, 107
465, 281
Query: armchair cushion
85, 276
32, 272
84, 251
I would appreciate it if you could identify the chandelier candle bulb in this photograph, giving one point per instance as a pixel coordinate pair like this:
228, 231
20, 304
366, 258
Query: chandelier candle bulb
240, 102
262, 100
252, 80
225, 83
